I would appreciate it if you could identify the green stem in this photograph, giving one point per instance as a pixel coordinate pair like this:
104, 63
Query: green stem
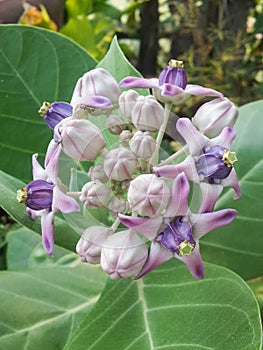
154, 158
174, 156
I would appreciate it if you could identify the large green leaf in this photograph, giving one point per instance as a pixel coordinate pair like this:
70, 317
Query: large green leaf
239, 246
169, 310
41, 308
25, 250
36, 65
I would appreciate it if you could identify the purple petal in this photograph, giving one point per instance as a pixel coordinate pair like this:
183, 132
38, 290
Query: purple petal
171, 171
194, 139
38, 172
171, 90
206, 222
210, 194
199, 90
232, 181
94, 101
225, 138
179, 201
47, 225
64, 203
52, 159
147, 227
194, 262
134, 82
158, 255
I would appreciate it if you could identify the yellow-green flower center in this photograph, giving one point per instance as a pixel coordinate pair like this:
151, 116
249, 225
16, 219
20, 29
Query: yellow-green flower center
185, 248
21, 195
229, 158
44, 109
176, 64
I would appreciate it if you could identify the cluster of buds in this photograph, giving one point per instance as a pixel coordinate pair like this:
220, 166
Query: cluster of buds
147, 200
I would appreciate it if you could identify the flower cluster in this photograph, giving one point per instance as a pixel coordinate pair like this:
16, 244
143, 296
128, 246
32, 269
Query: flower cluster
147, 200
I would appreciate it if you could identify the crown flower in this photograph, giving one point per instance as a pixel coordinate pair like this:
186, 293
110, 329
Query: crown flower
129, 177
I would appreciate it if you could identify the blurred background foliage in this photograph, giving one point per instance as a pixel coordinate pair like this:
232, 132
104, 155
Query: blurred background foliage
220, 41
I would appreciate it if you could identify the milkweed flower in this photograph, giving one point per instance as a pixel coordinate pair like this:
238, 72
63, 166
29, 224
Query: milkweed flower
172, 85
44, 195
210, 162
177, 232
54, 112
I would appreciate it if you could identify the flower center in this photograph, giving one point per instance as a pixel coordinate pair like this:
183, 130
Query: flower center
22, 195
229, 158
44, 109
176, 64
177, 237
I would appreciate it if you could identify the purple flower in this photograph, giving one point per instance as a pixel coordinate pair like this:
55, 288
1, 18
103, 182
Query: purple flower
171, 86
177, 232
43, 196
55, 112
210, 163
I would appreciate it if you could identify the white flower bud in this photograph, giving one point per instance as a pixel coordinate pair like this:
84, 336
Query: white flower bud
142, 144
118, 205
115, 124
213, 116
96, 172
80, 139
120, 164
96, 82
91, 242
127, 101
148, 195
95, 194
125, 137
147, 114
123, 255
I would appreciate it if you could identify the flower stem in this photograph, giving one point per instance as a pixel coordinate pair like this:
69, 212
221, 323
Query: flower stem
115, 225
154, 158
174, 156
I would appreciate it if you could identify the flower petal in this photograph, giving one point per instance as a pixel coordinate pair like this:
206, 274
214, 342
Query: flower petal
63, 202
187, 166
47, 225
225, 138
199, 90
147, 227
194, 139
158, 255
206, 222
194, 262
232, 181
96, 101
52, 159
171, 90
38, 172
134, 82
179, 200
210, 194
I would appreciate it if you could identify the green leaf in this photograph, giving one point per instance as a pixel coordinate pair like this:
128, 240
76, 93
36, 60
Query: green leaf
117, 64
65, 235
25, 251
168, 309
41, 66
238, 246
41, 308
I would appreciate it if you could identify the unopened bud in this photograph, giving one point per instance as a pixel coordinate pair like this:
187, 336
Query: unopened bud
95, 194
96, 172
142, 144
91, 242
120, 164
213, 116
115, 124
148, 195
123, 255
80, 139
147, 114
127, 101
